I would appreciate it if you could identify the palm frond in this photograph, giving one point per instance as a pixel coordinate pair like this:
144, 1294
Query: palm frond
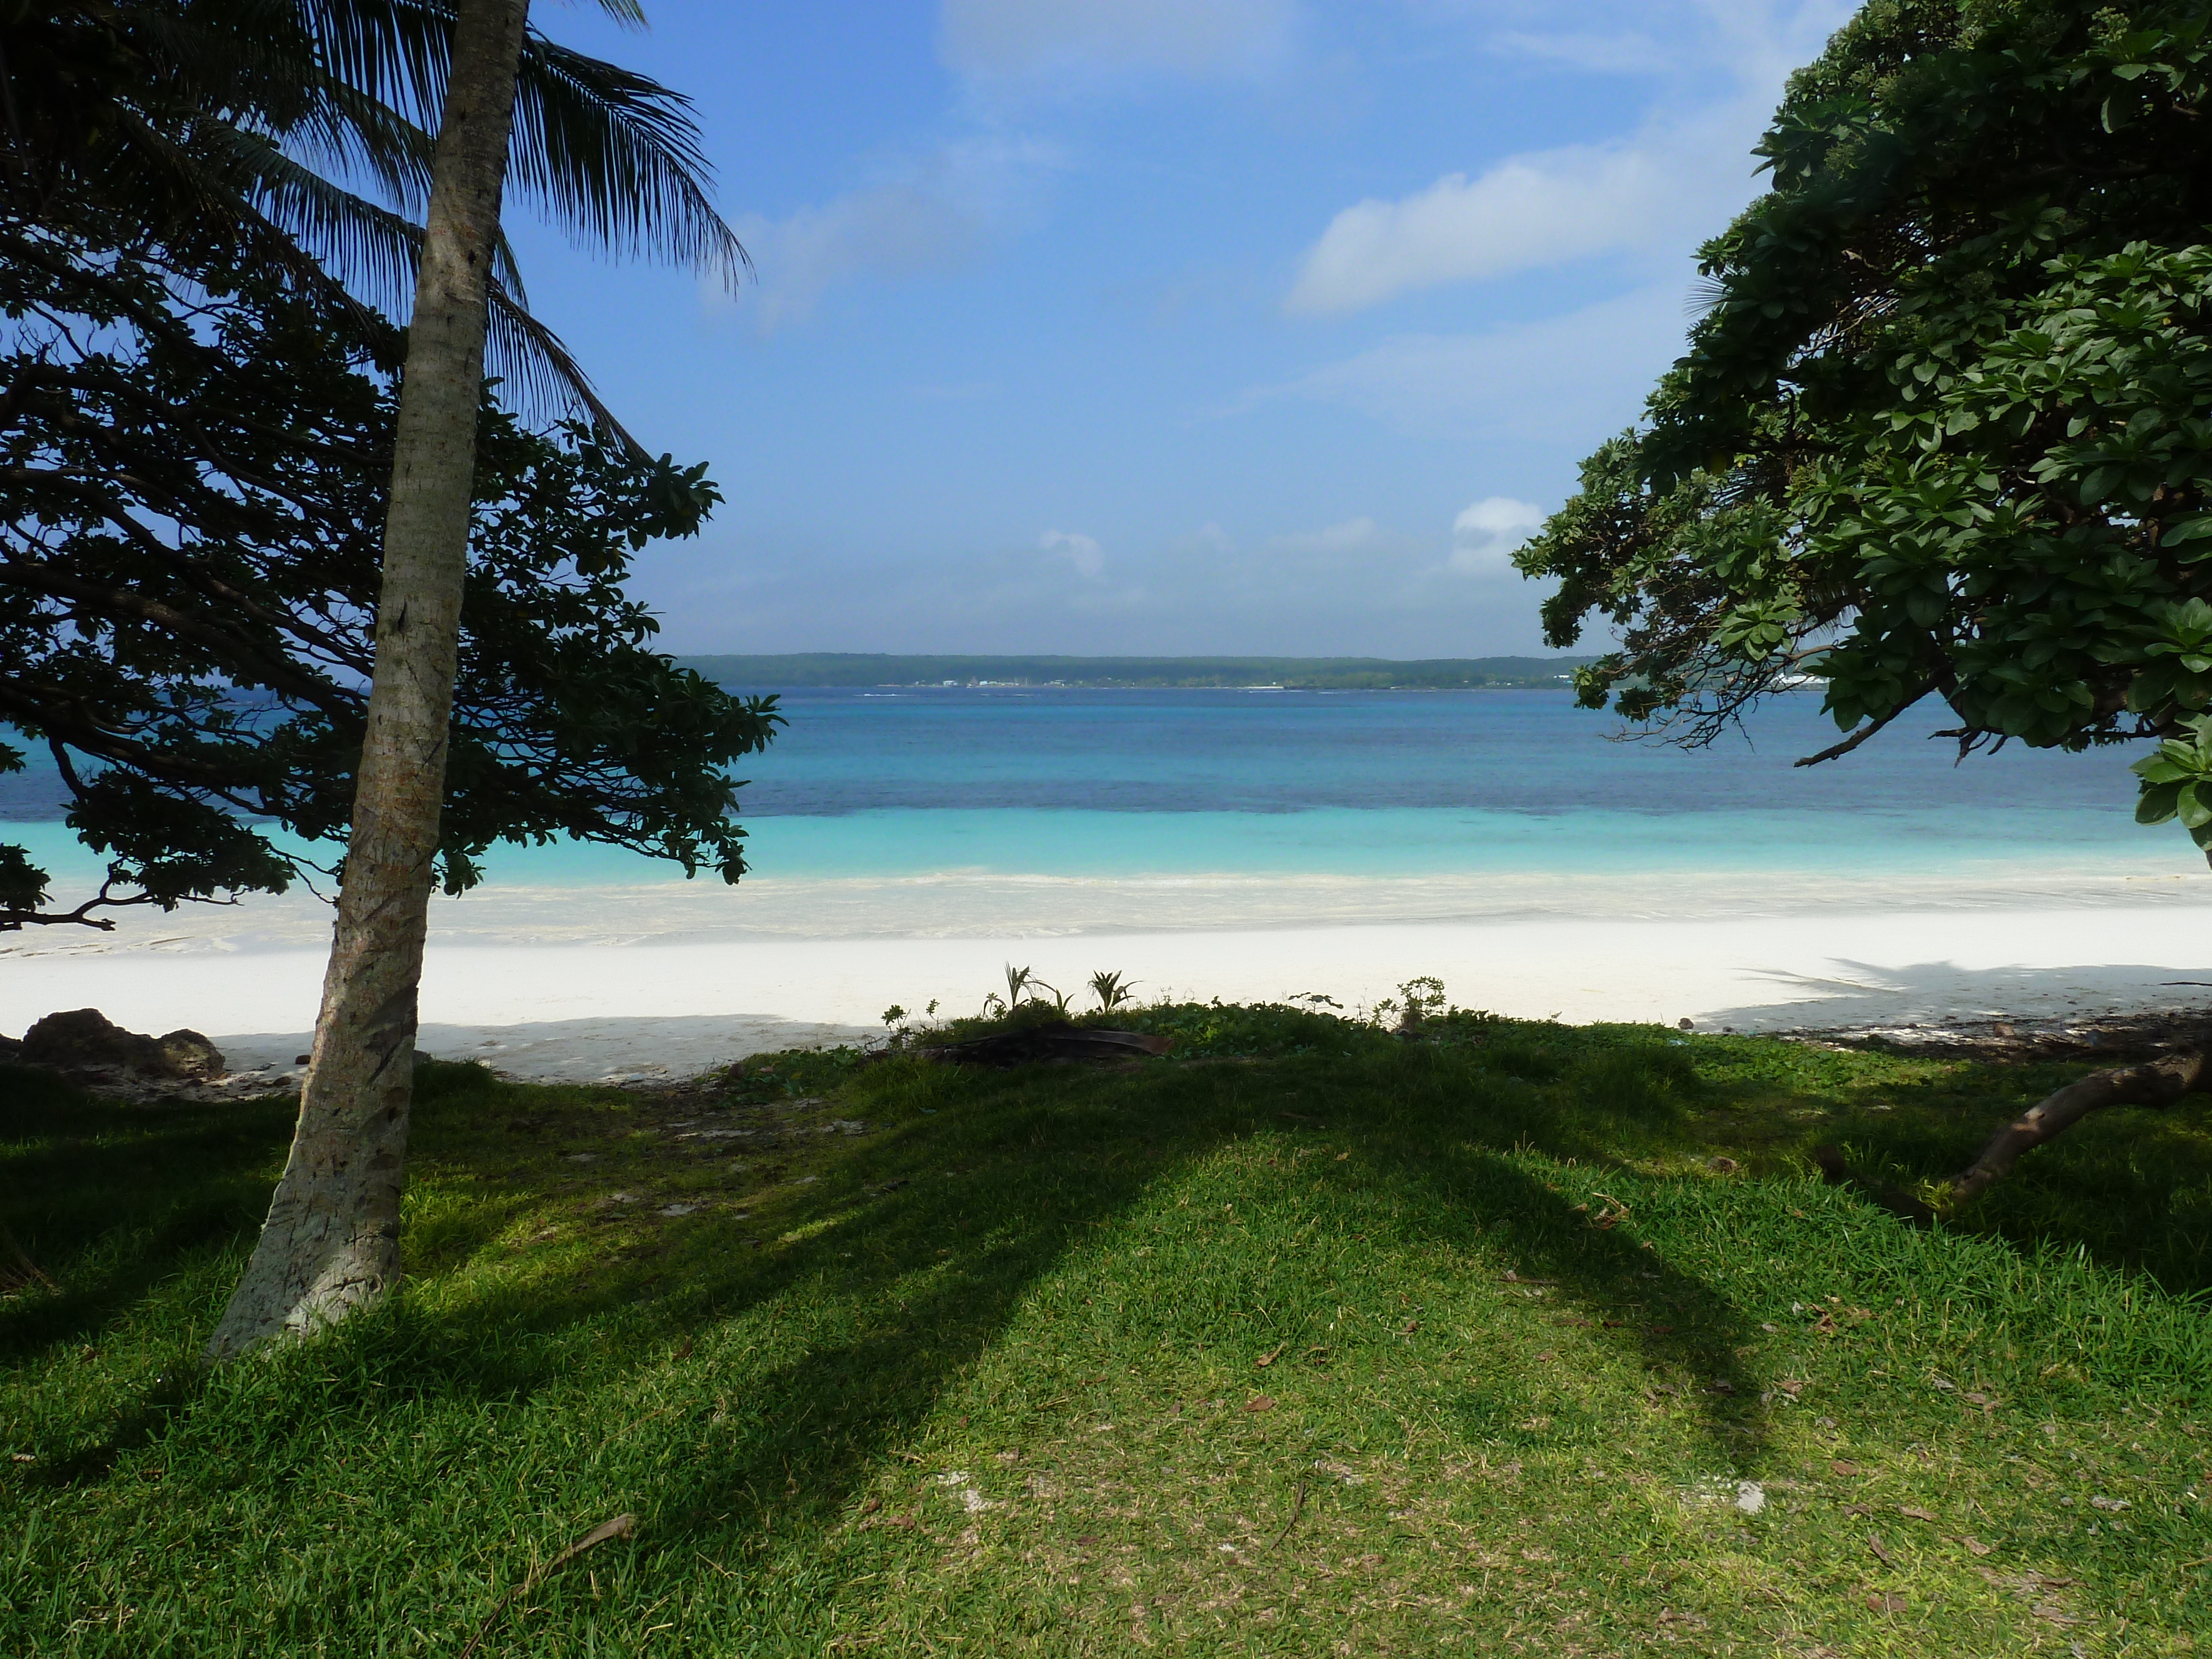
529, 355
371, 249
375, 250
617, 156
612, 152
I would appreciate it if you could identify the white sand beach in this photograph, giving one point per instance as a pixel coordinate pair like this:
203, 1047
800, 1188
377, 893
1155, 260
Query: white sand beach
657, 1006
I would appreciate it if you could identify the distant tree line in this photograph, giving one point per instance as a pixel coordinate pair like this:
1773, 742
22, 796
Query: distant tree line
831, 668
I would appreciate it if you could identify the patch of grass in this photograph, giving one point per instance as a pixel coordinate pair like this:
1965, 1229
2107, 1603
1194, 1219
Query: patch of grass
1309, 1340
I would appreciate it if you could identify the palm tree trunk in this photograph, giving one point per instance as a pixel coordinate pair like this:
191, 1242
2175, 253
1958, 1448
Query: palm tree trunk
331, 1242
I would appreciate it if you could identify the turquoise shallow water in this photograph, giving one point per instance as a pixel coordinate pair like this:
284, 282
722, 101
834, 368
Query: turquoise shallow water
1105, 785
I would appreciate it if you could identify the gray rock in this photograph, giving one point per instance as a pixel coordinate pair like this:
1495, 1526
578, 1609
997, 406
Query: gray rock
87, 1040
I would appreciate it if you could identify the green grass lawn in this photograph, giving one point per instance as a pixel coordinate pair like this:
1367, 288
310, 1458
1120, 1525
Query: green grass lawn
1308, 1339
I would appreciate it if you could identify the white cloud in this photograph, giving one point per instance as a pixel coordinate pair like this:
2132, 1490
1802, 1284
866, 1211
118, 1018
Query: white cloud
1656, 192
933, 215
1079, 549
1000, 38
1533, 211
1573, 379
1485, 535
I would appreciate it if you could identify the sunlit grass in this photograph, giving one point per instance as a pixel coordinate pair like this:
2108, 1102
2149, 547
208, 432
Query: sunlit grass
1308, 1341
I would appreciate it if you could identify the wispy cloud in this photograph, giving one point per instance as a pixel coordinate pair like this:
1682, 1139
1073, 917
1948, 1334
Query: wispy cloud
1626, 51
1565, 380
1657, 192
930, 215
1081, 551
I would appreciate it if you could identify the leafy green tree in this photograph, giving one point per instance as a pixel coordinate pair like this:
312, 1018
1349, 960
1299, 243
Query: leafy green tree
185, 604
237, 122
1945, 429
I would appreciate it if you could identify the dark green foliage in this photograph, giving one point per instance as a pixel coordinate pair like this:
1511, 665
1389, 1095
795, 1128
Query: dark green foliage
297, 134
195, 458
1946, 428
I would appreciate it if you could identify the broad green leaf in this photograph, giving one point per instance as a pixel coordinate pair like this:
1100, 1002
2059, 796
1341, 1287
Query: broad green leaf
2156, 804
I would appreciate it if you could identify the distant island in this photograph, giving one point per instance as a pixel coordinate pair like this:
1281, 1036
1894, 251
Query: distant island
856, 668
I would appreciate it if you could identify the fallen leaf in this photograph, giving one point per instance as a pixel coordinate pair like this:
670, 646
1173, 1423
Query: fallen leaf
1259, 1402
2054, 1615
870, 1505
1843, 1466
1886, 1603
1409, 1328
1916, 1515
1271, 1357
1969, 1540
1880, 1550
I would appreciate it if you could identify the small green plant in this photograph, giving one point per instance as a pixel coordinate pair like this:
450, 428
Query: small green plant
1022, 986
1422, 997
1111, 989
894, 1014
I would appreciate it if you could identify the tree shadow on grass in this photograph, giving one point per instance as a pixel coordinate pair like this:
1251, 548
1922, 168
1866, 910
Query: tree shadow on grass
110, 1198
997, 1187
1470, 1181
815, 1425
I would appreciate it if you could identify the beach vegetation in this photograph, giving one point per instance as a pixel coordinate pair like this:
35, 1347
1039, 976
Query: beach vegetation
1944, 430
1313, 1335
1112, 988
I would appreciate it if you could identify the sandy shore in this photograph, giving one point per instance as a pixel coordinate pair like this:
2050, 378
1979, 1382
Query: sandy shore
589, 1012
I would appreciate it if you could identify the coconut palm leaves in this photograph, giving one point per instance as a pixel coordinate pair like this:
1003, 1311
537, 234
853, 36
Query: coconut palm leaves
304, 127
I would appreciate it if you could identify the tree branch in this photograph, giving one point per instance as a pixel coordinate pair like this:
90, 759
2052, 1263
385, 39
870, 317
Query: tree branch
2157, 1084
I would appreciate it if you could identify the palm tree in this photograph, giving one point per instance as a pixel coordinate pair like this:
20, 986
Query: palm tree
239, 113
304, 126
331, 1241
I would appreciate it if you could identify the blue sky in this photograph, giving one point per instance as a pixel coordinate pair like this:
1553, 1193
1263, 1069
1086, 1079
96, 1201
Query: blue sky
1163, 326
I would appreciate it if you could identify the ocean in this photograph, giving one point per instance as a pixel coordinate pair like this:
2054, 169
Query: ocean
948, 810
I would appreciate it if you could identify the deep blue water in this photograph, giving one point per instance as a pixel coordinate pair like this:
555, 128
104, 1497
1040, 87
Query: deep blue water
1210, 751
1077, 783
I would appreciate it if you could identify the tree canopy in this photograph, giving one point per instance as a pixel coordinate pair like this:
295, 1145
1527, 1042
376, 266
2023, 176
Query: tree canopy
302, 129
194, 459
1945, 427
